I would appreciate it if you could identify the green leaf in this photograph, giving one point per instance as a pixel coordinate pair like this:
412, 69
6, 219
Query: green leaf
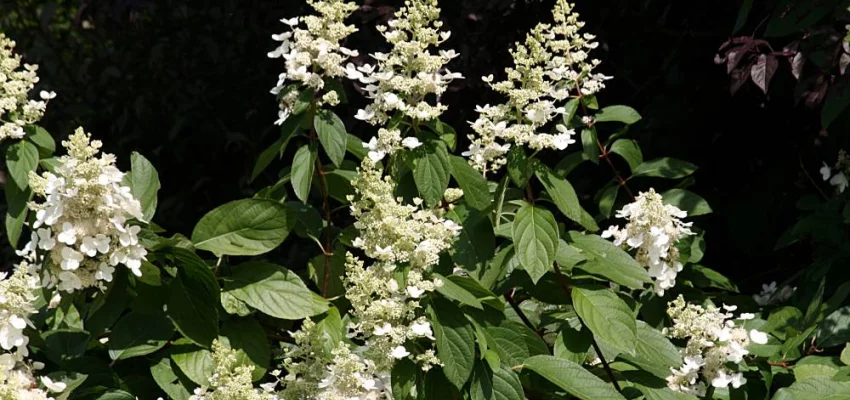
572, 377
519, 167
21, 158
42, 139
607, 198
629, 150
303, 165
590, 145
139, 334
455, 341
403, 378
499, 384
564, 196
834, 329
667, 167
287, 131
607, 316
476, 243
706, 277
514, 342
654, 353
535, 236
743, 13
815, 388
837, 100
431, 170
332, 135
687, 201
193, 298
610, 261
812, 366
271, 289
144, 183
246, 227
573, 344
194, 361
457, 293
109, 306
168, 380
16, 211
475, 190
66, 344
624, 114
845, 354
248, 338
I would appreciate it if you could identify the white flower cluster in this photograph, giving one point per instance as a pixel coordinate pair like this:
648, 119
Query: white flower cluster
842, 168
81, 231
393, 232
16, 109
314, 53
653, 229
17, 381
347, 376
17, 295
388, 142
549, 68
770, 295
714, 343
405, 79
230, 380
16, 305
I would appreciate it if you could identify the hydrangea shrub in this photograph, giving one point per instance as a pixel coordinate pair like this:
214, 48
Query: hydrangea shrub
438, 273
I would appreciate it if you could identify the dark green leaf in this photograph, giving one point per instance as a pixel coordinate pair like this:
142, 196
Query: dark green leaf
474, 186
610, 261
248, 338
194, 361
629, 150
624, 114
667, 167
687, 201
139, 334
332, 135
499, 384
535, 235
271, 289
564, 196
572, 377
144, 184
431, 170
242, 227
21, 158
607, 316
455, 341
303, 165
193, 298
17, 211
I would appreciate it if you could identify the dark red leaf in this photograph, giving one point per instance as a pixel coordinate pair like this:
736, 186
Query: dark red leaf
763, 71
797, 63
739, 77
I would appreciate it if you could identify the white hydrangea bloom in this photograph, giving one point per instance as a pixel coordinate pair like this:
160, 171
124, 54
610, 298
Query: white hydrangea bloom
81, 231
770, 295
393, 232
312, 53
16, 108
17, 381
552, 66
714, 342
230, 379
340, 375
16, 305
842, 168
653, 230
405, 79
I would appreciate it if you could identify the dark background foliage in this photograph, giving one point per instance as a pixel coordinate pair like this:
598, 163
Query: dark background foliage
186, 84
